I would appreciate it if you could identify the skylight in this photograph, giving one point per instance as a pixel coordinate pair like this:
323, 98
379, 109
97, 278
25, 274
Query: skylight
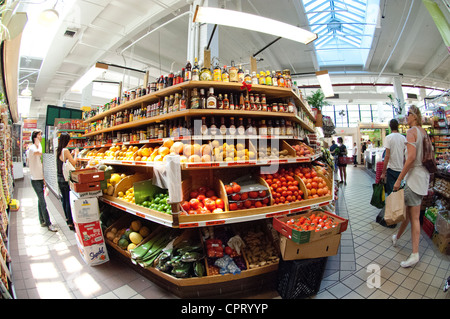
345, 30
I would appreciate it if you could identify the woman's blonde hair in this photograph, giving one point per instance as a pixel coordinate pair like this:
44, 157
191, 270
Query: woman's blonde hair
415, 110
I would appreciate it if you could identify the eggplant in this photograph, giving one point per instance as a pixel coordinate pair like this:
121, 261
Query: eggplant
199, 269
181, 270
191, 256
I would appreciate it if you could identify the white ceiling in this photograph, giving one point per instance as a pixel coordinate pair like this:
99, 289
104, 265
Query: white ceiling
414, 51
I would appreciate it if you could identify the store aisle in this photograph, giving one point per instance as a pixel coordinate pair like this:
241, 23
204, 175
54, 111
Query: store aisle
367, 245
47, 265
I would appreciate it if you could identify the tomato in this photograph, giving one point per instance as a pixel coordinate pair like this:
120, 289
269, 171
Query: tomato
210, 193
194, 202
248, 203
266, 200
236, 188
253, 194
244, 196
233, 206
228, 250
202, 190
211, 253
201, 198
262, 193
192, 212
220, 204
193, 194
210, 204
186, 206
258, 204
236, 197
229, 189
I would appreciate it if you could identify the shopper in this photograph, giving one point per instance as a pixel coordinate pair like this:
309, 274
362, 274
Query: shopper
416, 182
342, 167
355, 155
394, 158
363, 150
395, 145
37, 178
62, 153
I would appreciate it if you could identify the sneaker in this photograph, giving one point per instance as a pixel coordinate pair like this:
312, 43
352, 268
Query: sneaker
411, 261
52, 228
394, 240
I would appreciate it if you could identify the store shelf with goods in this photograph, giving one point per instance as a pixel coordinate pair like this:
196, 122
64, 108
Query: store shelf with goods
251, 207
246, 174
7, 203
270, 92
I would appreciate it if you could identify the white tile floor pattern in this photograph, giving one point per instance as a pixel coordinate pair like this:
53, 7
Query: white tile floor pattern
47, 265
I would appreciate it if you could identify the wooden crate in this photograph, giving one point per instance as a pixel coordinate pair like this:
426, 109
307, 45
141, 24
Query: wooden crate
88, 175
85, 187
128, 182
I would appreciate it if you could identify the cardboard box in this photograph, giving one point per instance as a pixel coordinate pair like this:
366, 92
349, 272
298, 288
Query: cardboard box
84, 210
89, 194
442, 242
303, 237
89, 233
93, 255
320, 248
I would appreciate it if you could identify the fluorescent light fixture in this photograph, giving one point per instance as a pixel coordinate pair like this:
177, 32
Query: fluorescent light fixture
252, 22
89, 76
325, 83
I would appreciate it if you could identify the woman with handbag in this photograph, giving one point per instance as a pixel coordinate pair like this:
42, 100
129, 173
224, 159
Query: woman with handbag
63, 154
417, 179
342, 163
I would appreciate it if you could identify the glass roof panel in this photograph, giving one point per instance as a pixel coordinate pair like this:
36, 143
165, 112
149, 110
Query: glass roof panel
345, 29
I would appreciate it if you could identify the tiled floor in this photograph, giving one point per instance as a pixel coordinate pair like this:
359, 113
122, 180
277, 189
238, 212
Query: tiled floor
47, 265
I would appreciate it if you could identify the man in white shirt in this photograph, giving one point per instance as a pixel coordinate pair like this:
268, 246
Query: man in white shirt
355, 154
394, 159
37, 178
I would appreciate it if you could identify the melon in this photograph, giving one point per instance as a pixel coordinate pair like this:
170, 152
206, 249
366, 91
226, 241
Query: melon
135, 238
136, 225
144, 231
131, 246
123, 243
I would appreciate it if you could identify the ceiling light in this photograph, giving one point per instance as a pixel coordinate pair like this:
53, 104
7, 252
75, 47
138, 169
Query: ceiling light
89, 76
325, 83
48, 17
252, 22
26, 91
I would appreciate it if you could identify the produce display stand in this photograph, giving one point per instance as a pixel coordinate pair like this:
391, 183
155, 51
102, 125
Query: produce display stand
213, 173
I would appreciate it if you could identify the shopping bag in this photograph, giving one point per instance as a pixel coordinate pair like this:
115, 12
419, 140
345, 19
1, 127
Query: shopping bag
395, 209
378, 195
66, 168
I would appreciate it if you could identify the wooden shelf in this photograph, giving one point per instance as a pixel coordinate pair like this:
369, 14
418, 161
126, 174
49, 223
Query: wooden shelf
230, 217
269, 91
199, 113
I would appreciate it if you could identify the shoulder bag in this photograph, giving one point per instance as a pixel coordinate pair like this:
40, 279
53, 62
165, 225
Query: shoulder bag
428, 159
66, 168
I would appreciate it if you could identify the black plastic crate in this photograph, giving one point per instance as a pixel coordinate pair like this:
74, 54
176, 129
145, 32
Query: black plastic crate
299, 279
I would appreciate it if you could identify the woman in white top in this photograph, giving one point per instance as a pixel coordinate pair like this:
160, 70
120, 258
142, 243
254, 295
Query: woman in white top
417, 179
